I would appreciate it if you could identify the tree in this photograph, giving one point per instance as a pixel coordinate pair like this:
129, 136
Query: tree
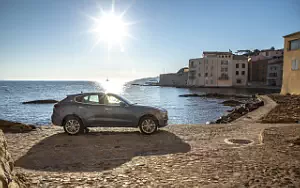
256, 52
272, 48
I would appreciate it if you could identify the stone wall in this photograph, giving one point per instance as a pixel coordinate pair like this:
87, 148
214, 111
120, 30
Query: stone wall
173, 79
7, 177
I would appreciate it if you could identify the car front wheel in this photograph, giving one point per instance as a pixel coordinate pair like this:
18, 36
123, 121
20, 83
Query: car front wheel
73, 125
148, 125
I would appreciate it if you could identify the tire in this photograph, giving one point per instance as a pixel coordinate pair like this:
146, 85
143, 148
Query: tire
148, 125
73, 125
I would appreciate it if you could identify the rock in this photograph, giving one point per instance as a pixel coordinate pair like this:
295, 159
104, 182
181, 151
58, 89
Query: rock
15, 127
7, 176
190, 95
232, 103
48, 101
241, 110
216, 95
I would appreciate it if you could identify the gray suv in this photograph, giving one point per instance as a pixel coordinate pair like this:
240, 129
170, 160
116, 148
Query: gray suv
77, 112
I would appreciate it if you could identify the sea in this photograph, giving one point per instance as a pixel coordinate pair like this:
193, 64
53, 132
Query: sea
181, 110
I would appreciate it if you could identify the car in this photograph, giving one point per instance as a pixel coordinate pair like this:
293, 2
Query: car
78, 112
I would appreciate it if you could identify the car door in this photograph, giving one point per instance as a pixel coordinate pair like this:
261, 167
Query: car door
92, 111
118, 113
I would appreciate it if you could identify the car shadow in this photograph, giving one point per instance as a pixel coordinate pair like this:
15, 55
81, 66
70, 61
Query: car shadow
97, 151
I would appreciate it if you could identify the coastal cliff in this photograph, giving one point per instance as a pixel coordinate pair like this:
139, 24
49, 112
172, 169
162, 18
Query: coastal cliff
7, 176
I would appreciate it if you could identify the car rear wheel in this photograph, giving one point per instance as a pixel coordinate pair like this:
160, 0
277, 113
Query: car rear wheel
148, 125
73, 125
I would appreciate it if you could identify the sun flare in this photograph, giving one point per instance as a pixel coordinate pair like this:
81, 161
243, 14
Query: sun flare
110, 28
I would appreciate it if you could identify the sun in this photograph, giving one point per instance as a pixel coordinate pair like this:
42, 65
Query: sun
110, 28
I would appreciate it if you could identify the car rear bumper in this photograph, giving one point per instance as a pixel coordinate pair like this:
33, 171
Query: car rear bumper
56, 120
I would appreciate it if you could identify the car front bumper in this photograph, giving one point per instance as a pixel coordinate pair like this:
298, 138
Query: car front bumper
162, 122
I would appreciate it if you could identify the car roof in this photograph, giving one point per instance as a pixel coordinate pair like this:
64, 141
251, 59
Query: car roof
89, 93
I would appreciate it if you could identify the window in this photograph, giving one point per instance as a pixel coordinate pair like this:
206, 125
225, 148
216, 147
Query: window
243, 65
294, 44
224, 77
243, 72
94, 98
239, 81
295, 64
192, 64
206, 74
236, 72
89, 99
112, 100
224, 62
224, 69
211, 74
199, 74
212, 67
211, 81
237, 66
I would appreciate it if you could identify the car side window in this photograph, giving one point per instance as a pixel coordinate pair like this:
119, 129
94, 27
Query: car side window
94, 99
91, 99
112, 100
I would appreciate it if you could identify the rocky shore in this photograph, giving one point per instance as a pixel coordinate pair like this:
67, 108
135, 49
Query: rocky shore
216, 95
287, 110
15, 127
8, 177
47, 101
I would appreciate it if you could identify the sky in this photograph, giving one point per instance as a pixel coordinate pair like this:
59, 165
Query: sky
51, 39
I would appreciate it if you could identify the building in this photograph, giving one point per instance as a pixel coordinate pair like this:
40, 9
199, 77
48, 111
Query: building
269, 53
291, 64
258, 66
174, 79
258, 71
274, 71
218, 69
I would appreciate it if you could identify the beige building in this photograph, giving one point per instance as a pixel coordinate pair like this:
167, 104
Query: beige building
291, 64
174, 79
274, 72
218, 69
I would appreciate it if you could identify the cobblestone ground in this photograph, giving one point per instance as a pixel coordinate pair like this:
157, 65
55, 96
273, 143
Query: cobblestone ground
177, 156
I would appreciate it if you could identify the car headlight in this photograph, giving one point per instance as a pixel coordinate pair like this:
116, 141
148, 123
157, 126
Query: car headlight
165, 114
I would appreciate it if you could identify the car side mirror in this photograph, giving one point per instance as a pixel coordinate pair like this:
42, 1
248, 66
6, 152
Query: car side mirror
123, 104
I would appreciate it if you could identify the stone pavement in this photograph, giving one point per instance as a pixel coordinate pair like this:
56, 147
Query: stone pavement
177, 156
